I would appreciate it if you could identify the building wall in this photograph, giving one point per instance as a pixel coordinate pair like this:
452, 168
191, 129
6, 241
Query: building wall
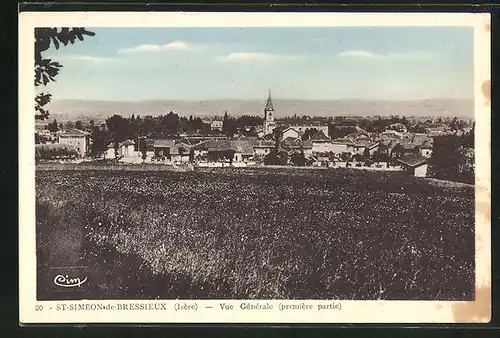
322, 147
110, 153
374, 149
128, 150
77, 142
291, 133
262, 151
269, 126
426, 152
216, 125
338, 148
237, 157
421, 171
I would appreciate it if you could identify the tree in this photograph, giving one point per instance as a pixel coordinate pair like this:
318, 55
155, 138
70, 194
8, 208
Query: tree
45, 69
345, 156
277, 135
100, 140
298, 159
116, 146
366, 153
143, 148
276, 157
79, 125
229, 125
181, 152
52, 127
379, 156
309, 133
452, 159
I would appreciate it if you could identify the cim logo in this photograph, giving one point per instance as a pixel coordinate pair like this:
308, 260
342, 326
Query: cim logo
66, 281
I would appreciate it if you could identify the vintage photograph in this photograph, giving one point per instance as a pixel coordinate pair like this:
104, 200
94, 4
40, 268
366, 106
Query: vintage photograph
255, 163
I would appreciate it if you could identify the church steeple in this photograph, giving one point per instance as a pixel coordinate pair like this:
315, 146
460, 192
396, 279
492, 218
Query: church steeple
269, 122
269, 104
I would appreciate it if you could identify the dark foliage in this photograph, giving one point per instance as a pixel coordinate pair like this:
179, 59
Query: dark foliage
453, 158
46, 69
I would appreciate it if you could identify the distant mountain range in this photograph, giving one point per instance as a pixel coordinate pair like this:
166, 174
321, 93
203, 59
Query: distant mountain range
72, 109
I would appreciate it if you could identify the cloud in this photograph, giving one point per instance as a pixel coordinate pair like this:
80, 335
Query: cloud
255, 57
367, 55
91, 58
152, 48
357, 54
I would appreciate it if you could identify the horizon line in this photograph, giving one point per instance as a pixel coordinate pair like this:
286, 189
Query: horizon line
264, 99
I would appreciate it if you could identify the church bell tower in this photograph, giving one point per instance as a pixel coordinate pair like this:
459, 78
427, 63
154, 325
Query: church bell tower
269, 123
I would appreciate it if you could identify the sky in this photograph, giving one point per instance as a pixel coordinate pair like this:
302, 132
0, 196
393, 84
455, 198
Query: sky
327, 63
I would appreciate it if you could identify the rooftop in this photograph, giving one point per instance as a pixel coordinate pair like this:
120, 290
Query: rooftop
73, 132
412, 160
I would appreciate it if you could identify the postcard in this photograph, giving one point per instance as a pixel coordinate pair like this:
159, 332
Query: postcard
273, 168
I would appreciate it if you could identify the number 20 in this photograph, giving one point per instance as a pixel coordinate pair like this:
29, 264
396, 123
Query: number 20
38, 307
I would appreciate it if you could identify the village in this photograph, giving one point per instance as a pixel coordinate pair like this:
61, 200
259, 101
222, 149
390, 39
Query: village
274, 142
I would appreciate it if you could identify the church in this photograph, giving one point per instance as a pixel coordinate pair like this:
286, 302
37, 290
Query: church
270, 123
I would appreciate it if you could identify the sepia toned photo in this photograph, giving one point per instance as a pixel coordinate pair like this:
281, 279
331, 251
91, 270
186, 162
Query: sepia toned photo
278, 170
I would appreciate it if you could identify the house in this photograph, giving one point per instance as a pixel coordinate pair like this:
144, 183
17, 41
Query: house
200, 150
354, 146
340, 145
414, 164
387, 146
110, 151
263, 147
77, 139
243, 150
398, 127
162, 148
321, 143
125, 149
424, 144
291, 144
181, 152
220, 151
216, 125
307, 146
290, 132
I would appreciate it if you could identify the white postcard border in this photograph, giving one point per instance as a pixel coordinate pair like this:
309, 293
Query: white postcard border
342, 311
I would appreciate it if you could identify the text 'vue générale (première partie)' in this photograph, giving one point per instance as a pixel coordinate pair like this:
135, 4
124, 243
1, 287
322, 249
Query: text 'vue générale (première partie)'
194, 306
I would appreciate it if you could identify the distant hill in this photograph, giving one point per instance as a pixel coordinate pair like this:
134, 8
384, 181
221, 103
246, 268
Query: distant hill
72, 109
